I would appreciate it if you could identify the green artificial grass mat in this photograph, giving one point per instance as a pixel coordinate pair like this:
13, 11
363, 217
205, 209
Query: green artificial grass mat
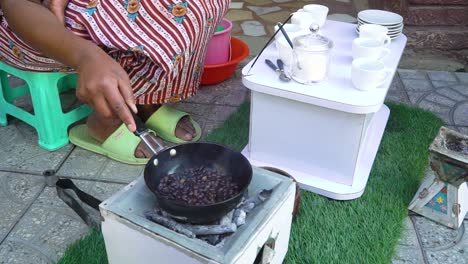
364, 230
88, 250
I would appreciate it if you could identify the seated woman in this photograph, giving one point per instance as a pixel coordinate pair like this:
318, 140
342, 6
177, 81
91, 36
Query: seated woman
129, 54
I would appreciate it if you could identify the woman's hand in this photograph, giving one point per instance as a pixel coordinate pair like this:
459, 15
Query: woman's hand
105, 86
102, 83
57, 7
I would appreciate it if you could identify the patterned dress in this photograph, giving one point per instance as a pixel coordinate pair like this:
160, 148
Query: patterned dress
161, 44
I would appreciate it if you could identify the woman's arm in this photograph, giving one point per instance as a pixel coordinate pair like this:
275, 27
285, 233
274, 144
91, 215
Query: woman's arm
102, 83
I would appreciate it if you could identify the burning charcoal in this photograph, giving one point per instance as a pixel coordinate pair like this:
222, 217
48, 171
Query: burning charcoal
227, 219
212, 240
220, 244
239, 217
252, 202
169, 223
457, 147
201, 230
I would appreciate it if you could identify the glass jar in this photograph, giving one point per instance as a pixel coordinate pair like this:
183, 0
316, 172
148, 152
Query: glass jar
311, 57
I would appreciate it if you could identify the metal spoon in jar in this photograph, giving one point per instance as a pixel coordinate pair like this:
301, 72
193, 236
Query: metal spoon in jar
280, 69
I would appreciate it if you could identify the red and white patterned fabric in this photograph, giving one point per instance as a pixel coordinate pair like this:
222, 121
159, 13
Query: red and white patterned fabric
160, 43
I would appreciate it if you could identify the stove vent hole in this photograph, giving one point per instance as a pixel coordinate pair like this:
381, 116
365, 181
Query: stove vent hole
266, 253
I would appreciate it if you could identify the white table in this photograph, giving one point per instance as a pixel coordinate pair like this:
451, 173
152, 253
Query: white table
327, 135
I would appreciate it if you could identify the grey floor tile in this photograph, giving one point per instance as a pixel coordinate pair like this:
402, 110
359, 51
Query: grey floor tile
462, 76
452, 94
415, 97
464, 130
460, 115
102, 190
417, 85
440, 84
440, 99
208, 112
408, 249
17, 192
68, 100
397, 92
455, 253
406, 255
15, 81
50, 226
119, 172
17, 251
409, 237
205, 95
84, 164
255, 43
434, 236
231, 92
462, 88
442, 76
210, 126
20, 151
412, 74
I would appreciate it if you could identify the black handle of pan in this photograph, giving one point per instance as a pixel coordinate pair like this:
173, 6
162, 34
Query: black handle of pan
140, 126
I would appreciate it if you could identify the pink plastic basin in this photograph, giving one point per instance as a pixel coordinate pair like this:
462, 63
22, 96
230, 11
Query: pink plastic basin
218, 47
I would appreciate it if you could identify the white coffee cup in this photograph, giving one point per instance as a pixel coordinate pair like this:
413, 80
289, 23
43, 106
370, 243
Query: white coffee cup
377, 32
284, 50
319, 12
292, 30
304, 20
368, 74
369, 48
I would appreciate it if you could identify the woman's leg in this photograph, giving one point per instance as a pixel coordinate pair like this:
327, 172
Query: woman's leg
184, 129
101, 128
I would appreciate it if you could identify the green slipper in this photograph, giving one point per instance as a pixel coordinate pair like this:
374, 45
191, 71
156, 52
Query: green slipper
119, 146
164, 122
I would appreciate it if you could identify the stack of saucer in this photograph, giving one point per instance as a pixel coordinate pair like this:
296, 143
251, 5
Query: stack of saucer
392, 21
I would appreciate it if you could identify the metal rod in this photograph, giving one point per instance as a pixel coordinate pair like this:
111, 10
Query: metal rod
268, 42
285, 34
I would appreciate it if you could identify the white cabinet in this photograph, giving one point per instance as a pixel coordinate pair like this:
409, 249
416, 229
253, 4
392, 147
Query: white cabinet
325, 135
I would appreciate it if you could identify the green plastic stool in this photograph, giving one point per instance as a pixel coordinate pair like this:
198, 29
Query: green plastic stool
49, 120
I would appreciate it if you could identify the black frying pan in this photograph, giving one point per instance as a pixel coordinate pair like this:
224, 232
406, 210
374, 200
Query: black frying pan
178, 158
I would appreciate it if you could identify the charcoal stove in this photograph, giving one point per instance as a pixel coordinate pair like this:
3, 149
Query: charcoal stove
443, 194
131, 238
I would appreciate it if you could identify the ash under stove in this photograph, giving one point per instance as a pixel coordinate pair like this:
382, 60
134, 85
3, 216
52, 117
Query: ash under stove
131, 238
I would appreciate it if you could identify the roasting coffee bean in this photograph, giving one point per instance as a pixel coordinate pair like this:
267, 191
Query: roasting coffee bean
197, 186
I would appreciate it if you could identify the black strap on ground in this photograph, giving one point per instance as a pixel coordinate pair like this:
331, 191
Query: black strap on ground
67, 184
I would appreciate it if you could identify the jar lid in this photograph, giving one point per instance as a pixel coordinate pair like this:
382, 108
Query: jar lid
313, 41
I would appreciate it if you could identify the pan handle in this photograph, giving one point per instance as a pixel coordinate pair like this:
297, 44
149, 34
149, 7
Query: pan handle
144, 133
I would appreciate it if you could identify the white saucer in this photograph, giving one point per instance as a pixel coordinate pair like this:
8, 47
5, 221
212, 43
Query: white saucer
392, 36
390, 30
380, 17
386, 25
360, 22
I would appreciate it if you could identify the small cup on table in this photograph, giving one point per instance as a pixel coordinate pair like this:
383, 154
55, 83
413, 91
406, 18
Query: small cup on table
368, 74
377, 32
369, 48
320, 12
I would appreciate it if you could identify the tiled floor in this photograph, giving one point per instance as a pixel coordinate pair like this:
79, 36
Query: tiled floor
36, 227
